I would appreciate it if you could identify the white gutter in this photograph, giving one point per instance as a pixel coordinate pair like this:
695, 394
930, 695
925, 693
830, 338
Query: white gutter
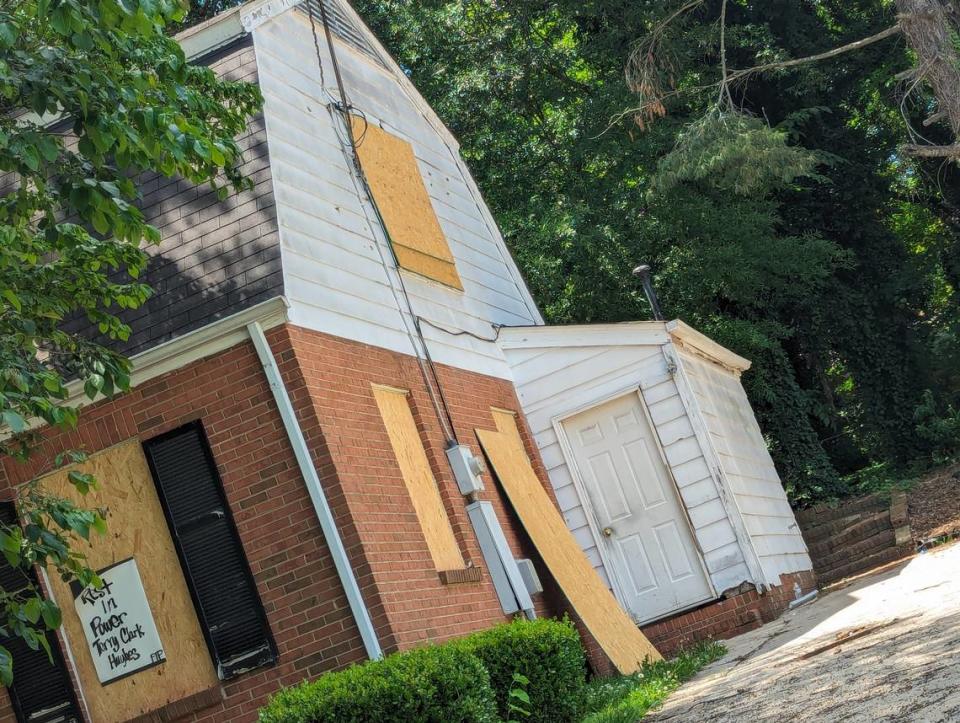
320, 505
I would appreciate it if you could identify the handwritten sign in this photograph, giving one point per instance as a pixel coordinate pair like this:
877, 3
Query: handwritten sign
119, 626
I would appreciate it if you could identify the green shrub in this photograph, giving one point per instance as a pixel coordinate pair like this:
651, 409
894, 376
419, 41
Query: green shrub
547, 652
437, 684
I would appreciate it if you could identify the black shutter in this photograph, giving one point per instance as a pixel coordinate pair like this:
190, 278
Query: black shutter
41, 690
224, 593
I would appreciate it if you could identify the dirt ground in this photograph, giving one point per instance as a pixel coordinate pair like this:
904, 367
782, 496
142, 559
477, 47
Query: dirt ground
897, 658
934, 504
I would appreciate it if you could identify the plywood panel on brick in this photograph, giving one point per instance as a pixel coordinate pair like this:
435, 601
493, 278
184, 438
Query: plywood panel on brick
137, 528
418, 477
397, 186
613, 629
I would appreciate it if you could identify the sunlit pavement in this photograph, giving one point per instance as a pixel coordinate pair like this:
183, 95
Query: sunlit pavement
900, 663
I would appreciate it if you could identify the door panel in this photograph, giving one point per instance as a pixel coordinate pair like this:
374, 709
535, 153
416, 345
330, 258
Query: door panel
646, 534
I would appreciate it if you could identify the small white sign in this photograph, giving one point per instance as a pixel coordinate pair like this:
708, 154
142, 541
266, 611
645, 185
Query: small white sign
119, 626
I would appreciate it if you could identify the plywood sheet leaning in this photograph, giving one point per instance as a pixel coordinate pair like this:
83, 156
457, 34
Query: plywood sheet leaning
393, 175
614, 631
136, 527
418, 477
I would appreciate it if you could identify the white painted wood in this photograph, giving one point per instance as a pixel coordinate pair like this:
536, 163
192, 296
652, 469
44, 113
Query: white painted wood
644, 531
331, 249
747, 465
559, 379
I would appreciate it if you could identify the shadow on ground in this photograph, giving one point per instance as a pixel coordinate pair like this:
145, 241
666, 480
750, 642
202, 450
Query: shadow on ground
903, 668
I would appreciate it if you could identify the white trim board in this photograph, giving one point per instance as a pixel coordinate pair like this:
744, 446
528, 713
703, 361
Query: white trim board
626, 333
686, 337
727, 496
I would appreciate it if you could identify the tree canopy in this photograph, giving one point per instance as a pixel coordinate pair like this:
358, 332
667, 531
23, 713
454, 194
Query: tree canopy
788, 223
92, 93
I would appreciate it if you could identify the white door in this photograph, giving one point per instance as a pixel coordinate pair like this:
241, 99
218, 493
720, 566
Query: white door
643, 529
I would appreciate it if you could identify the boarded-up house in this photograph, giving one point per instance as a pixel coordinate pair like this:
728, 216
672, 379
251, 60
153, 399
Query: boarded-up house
295, 480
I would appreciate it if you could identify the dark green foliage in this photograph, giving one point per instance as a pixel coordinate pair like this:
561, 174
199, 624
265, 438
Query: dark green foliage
537, 668
439, 684
791, 231
547, 652
939, 427
126, 102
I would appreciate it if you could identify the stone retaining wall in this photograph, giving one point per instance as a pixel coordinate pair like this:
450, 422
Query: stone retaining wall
856, 536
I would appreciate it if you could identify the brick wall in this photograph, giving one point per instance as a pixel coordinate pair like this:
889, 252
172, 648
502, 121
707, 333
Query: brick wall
329, 381
731, 616
295, 576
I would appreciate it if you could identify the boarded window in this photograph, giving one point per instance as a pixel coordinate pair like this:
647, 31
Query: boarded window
41, 691
219, 578
418, 477
398, 189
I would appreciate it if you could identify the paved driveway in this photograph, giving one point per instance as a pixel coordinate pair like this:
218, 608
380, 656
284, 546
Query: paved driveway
898, 657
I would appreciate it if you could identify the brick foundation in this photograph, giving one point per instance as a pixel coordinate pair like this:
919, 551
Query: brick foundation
729, 617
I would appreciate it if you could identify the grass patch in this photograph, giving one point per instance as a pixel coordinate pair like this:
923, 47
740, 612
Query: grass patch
628, 698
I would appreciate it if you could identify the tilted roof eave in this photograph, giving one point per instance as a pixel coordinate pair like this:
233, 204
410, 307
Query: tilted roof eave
629, 333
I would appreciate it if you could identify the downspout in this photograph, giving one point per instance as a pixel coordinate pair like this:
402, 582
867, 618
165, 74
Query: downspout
320, 505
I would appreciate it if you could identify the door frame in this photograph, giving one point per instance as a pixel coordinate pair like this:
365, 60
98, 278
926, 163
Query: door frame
609, 566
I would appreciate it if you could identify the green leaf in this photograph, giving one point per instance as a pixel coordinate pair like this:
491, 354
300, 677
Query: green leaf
82, 40
30, 157
32, 610
520, 694
49, 148
6, 666
83, 481
45, 644
10, 542
99, 221
52, 617
8, 35
12, 297
14, 421
60, 19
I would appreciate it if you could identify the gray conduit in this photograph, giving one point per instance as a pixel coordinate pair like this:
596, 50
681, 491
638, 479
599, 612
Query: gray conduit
320, 505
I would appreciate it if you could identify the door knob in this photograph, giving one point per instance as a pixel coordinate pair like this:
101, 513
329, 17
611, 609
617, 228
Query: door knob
607, 531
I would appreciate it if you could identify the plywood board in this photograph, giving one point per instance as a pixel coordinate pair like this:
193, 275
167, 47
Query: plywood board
137, 528
616, 633
418, 477
393, 175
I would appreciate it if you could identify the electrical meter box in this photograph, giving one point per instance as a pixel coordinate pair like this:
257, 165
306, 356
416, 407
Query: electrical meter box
466, 468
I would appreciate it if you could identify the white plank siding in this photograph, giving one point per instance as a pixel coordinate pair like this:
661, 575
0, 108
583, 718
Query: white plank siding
560, 371
333, 273
748, 467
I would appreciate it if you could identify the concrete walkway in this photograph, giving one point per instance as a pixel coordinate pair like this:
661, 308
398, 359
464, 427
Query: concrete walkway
898, 657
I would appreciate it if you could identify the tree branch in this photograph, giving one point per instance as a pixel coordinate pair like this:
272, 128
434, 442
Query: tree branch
855, 45
951, 151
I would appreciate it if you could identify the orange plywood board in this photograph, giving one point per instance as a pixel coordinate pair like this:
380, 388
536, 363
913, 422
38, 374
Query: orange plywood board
418, 477
393, 175
137, 528
613, 629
